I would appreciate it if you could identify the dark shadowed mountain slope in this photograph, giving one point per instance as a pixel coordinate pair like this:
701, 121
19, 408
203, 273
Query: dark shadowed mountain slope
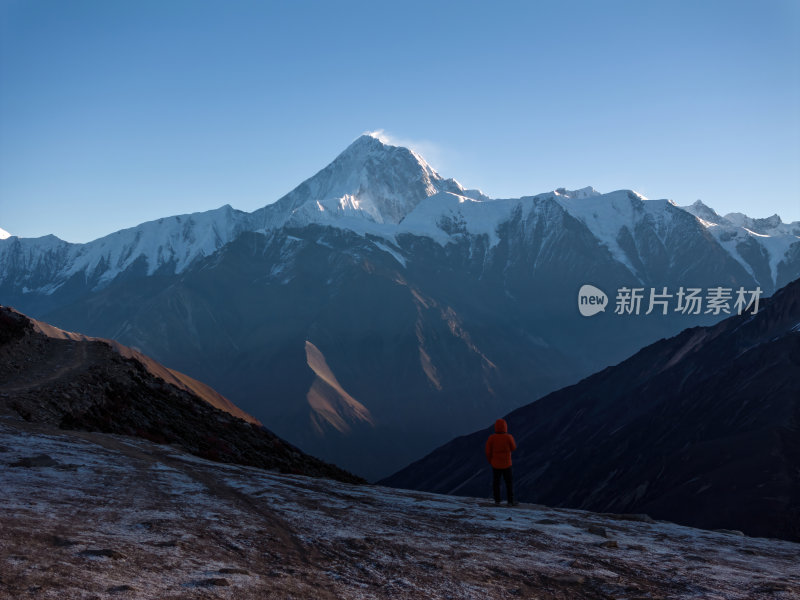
74, 382
702, 429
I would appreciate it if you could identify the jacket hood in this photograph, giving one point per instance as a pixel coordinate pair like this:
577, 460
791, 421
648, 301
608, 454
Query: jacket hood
500, 426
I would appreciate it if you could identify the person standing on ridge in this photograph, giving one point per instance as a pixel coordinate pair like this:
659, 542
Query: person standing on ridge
499, 447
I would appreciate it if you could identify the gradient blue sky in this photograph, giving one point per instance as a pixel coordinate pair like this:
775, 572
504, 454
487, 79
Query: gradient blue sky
117, 112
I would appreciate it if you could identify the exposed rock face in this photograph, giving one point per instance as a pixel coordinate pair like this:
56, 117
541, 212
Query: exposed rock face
88, 385
135, 519
702, 429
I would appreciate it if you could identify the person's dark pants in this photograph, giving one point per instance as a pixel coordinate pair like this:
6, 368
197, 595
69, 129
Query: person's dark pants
506, 475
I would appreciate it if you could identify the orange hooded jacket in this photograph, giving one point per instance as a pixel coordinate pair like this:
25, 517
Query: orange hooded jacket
500, 445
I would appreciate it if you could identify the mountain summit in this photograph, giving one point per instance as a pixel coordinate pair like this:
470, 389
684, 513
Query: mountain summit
370, 179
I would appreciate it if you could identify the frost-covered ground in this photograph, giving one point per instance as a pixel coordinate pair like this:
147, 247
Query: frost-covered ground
108, 516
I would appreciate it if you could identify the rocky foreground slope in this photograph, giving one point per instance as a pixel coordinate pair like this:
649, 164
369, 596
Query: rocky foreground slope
92, 515
74, 382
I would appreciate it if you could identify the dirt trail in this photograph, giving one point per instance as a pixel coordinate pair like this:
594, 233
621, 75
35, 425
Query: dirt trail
251, 508
141, 484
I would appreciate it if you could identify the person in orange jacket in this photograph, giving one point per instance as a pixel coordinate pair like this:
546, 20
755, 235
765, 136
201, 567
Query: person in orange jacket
499, 447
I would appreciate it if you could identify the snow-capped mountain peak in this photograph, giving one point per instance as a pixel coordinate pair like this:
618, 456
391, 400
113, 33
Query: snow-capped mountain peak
587, 192
46, 263
370, 179
4, 234
744, 237
176, 240
767, 226
704, 212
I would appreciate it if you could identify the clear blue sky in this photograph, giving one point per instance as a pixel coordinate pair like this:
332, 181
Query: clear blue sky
117, 112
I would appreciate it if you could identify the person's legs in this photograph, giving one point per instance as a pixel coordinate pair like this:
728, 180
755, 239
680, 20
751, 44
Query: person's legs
509, 487
496, 474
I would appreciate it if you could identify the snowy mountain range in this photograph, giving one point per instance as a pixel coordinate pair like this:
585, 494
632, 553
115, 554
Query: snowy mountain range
373, 188
378, 309
760, 245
